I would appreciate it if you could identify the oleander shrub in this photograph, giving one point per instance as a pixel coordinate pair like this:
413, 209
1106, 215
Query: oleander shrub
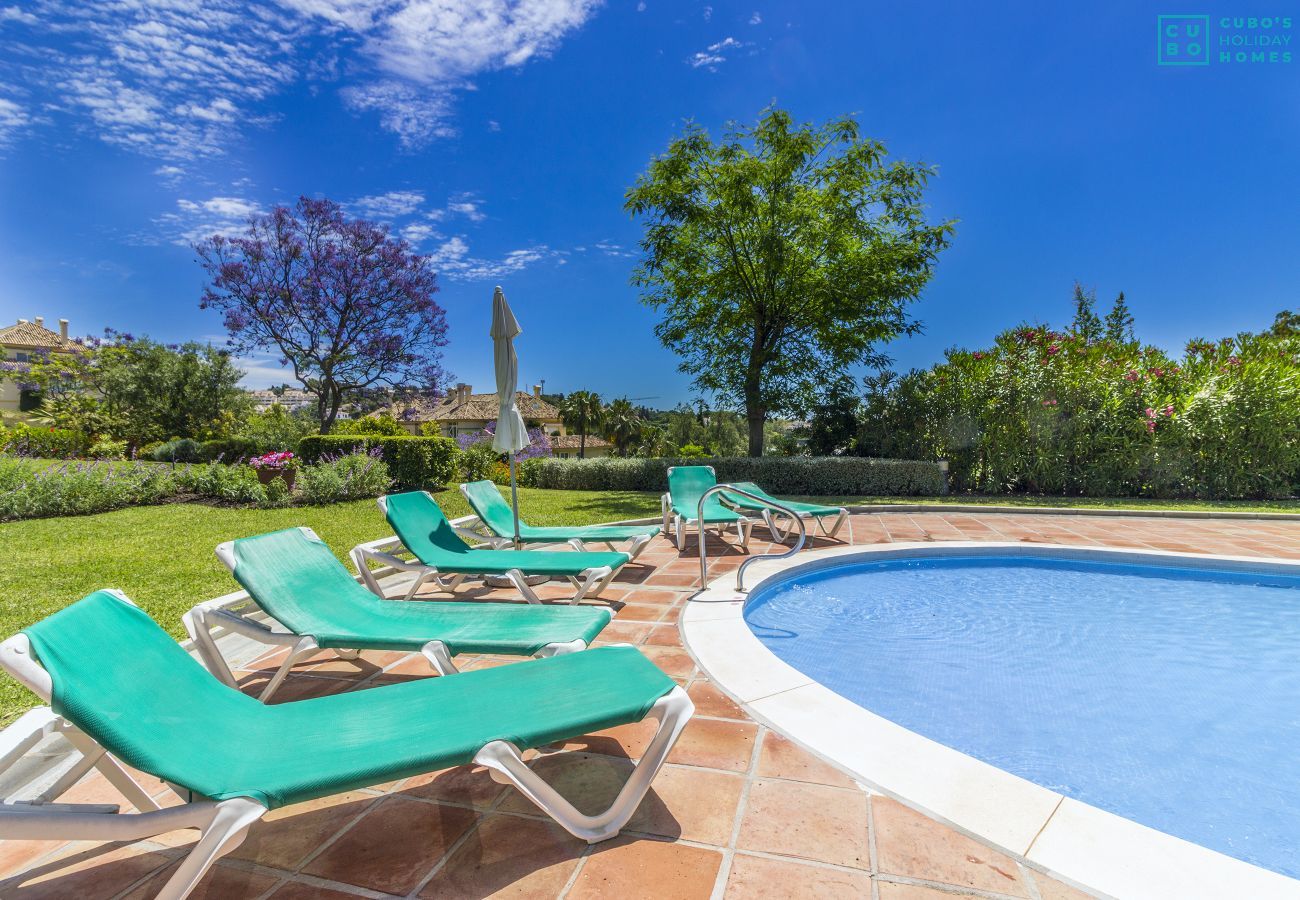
791, 476
1047, 412
44, 443
353, 476
413, 462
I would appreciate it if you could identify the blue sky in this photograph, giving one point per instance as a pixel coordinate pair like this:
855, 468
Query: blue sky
501, 142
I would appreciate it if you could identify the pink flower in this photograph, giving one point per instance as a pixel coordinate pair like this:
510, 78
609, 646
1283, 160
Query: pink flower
1151, 413
1049, 402
1151, 426
977, 355
1157, 372
1053, 349
1169, 410
1131, 375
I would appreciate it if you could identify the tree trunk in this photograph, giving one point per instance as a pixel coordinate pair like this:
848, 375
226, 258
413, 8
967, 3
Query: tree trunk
757, 417
755, 410
582, 442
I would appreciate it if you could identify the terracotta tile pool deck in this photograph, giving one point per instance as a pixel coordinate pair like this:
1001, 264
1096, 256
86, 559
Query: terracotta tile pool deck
738, 811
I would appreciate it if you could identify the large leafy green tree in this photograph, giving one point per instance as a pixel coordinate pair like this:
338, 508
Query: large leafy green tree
583, 412
781, 255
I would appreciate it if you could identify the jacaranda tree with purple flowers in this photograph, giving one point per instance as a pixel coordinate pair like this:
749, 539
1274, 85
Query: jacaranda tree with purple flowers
345, 304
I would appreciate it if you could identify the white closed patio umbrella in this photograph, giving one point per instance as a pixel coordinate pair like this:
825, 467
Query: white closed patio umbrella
512, 434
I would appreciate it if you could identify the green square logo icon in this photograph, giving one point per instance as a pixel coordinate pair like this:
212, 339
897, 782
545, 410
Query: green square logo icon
1183, 40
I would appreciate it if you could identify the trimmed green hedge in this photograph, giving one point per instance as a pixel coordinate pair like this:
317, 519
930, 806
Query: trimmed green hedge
413, 462
782, 475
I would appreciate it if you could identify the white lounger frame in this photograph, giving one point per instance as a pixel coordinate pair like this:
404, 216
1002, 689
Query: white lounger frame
592, 581
473, 526
203, 619
678, 523
224, 824
780, 534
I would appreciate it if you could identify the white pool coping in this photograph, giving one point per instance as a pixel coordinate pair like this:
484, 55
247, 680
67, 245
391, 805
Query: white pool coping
1073, 841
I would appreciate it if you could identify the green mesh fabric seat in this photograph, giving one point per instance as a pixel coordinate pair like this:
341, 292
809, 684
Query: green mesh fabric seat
302, 585
295, 578
124, 684
425, 531
498, 518
815, 511
681, 505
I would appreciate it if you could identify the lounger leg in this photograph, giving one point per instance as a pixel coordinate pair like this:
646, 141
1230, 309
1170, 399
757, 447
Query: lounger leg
305, 647
439, 657
521, 584
677, 530
743, 527
672, 710
557, 649
839, 523
223, 834
638, 544
596, 581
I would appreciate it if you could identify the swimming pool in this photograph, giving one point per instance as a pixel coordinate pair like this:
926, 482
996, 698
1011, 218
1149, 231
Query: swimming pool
1165, 694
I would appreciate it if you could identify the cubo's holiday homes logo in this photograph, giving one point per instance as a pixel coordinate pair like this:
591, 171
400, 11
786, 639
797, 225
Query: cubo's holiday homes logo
1187, 40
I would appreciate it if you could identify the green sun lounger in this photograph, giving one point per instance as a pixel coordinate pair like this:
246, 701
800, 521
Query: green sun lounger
424, 530
294, 578
814, 511
496, 519
122, 691
686, 485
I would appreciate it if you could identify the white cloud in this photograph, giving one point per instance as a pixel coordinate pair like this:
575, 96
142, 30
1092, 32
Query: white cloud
196, 220
452, 260
418, 233
493, 125
16, 14
708, 13
466, 205
713, 56
755, 19
391, 205
609, 248
640, 7
179, 79
13, 118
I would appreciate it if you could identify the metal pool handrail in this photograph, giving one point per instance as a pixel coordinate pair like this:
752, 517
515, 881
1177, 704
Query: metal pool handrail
740, 573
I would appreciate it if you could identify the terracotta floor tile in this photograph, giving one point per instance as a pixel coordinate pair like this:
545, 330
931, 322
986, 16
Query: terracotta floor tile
586, 780
220, 883
624, 632
909, 843
672, 660
393, 846
86, 870
709, 701
470, 785
296, 890
809, 821
890, 890
287, 836
758, 878
506, 856
691, 804
780, 757
18, 855
664, 636
653, 597
630, 869
641, 612
716, 744
628, 740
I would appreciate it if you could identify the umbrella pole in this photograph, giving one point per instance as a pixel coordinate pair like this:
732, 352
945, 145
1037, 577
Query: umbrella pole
514, 499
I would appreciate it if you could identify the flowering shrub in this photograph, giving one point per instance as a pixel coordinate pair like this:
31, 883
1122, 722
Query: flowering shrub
1053, 413
72, 489
354, 476
477, 461
277, 462
47, 443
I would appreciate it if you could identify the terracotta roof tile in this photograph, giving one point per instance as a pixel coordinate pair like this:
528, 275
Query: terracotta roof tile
37, 337
479, 407
573, 442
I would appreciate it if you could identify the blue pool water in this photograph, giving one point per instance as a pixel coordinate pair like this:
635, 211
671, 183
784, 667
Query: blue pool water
1168, 696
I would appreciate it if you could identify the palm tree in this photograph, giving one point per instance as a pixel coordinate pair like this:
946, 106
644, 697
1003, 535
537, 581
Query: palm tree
622, 425
653, 441
582, 411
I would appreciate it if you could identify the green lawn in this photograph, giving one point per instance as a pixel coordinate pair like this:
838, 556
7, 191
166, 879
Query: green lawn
162, 556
